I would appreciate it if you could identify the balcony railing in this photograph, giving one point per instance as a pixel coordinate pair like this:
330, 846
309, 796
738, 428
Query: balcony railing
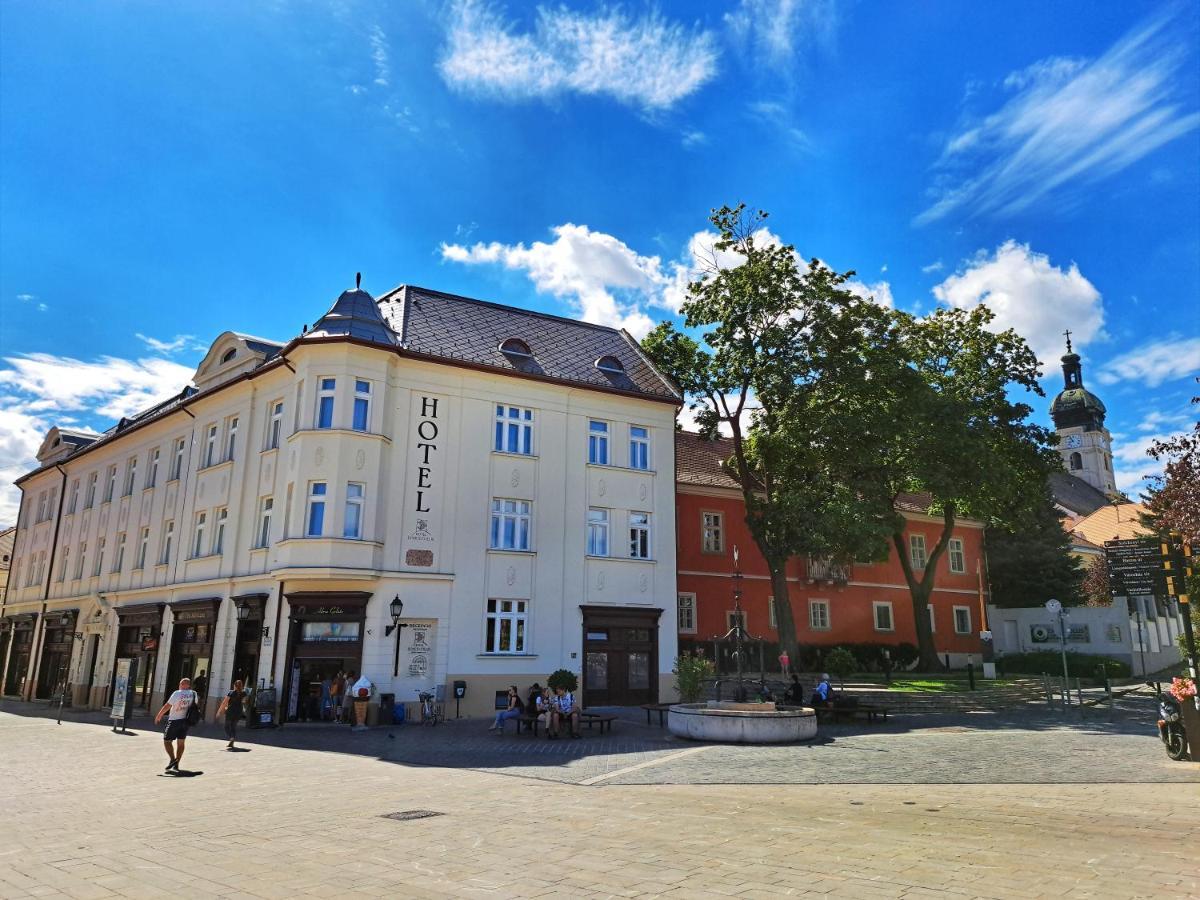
827, 571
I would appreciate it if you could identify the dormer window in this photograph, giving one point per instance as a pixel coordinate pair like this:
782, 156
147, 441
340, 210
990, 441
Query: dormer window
611, 365
228, 355
516, 347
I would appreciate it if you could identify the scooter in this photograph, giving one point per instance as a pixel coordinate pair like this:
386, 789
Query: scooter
1170, 724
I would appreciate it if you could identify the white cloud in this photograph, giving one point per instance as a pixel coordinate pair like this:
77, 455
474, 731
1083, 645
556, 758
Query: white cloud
1155, 362
936, 266
1071, 122
33, 300
777, 117
644, 61
179, 342
1029, 294
1131, 464
38, 390
880, 292
777, 30
692, 139
379, 55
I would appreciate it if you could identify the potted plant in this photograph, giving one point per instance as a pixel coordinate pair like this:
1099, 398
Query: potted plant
840, 662
563, 678
691, 670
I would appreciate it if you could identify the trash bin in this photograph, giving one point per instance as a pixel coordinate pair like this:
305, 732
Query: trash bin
387, 705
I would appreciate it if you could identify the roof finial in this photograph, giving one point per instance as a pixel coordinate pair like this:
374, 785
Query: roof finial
357, 280
1068, 334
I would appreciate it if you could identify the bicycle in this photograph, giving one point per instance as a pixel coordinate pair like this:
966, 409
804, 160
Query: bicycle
431, 710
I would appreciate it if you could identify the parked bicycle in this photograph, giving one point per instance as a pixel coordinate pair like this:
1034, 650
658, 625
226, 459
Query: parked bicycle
431, 709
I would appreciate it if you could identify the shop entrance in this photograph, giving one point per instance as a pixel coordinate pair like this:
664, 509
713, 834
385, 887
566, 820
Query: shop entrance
56, 653
248, 639
20, 649
192, 645
620, 650
325, 638
137, 638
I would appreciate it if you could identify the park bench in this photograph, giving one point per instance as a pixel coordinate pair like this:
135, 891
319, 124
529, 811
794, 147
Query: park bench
529, 722
660, 708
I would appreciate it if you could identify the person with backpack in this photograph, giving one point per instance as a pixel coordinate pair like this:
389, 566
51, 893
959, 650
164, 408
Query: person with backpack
823, 693
232, 708
184, 712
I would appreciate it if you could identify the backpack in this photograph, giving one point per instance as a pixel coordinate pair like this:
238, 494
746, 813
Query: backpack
193, 714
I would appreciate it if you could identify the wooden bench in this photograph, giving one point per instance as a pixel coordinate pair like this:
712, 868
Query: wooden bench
871, 712
660, 708
604, 720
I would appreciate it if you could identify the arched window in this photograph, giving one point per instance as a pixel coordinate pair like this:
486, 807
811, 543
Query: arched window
610, 364
516, 347
228, 354
1076, 461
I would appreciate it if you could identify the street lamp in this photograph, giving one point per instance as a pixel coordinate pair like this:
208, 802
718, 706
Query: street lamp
737, 631
66, 621
243, 610
396, 608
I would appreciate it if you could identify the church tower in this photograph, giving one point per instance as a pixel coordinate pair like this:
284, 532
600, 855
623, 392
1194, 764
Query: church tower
1083, 442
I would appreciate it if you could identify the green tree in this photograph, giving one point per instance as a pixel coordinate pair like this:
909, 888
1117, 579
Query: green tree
784, 361
1030, 561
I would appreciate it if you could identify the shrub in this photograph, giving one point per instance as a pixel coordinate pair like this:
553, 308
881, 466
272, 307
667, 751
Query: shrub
905, 654
1079, 665
563, 678
840, 662
691, 669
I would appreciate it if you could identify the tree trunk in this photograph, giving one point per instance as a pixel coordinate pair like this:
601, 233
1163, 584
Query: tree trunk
785, 624
921, 588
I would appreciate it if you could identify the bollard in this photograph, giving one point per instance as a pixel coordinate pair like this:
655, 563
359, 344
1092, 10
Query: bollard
971, 676
1046, 690
1108, 694
1079, 692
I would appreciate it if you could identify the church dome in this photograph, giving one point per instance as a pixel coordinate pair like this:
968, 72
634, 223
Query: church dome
1075, 404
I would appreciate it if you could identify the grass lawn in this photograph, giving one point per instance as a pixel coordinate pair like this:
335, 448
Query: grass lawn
934, 683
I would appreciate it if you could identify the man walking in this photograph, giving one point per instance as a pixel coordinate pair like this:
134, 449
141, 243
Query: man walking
178, 705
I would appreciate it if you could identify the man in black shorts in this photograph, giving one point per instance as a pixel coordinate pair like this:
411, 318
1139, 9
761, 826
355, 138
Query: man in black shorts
177, 705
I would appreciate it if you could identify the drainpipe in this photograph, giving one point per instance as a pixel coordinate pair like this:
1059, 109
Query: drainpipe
40, 643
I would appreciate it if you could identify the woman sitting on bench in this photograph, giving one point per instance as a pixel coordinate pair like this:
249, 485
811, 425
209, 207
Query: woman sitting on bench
515, 708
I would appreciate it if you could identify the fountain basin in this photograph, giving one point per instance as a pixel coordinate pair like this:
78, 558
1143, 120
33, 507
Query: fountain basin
741, 723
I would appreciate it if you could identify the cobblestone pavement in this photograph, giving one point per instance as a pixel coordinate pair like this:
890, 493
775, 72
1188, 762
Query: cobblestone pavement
86, 814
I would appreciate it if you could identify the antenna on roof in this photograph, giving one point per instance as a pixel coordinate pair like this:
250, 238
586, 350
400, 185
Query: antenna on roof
357, 280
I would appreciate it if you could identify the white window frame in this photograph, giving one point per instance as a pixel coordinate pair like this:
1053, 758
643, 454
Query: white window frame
274, 425
639, 448
130, 475
315, 498
110, 484
89, 498
74, 504
198, 534
152, 468
81, 560
917, 555
640, 546
598, 434
509, 511
686, 600
597, 531
143, 548
177, 459
168, 539
513, 429
324, 393
98, 568
64, 565
708, 528
266, 507
815, 604
955, 550
517, 614
231, 430
210, 446
966, 610
220, 521
119, 562
877, 605
356, 493
41, 508
361, 395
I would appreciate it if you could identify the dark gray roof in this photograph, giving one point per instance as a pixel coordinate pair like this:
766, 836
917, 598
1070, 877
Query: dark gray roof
451, 327
261, 345
1076, 494
354, 314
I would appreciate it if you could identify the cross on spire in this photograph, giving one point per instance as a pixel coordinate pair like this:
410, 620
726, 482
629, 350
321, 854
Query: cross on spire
1068, 334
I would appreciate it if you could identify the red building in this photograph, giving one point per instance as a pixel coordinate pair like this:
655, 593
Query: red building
831, 605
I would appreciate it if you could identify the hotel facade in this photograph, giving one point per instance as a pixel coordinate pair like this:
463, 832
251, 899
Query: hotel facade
507, 476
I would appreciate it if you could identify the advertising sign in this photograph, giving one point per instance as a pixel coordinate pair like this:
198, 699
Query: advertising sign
424, 482
123, 690
419, 652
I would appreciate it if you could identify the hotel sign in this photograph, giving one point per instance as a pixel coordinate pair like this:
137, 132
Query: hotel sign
423, 492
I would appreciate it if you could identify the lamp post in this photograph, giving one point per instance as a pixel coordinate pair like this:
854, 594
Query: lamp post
740, 694
243, 610
396, 608
66, 621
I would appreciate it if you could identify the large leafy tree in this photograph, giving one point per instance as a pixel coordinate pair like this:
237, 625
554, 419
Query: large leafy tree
1030, 560
960, 440
1173, 499
786, 358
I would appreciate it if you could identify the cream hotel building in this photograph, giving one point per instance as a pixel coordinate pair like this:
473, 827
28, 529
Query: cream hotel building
502, 478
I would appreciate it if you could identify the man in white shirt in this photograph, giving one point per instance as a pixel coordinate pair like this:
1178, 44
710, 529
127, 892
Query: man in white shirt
564, 708
177, 705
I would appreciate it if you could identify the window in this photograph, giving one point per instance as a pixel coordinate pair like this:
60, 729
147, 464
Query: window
99, 558
168, 539
66, 562
275, 425
231, 430
41, 508
639, 447
265, 508
110, 484
229, 354
352, 527
201, 525
517, 352
598, 443
210, 446
510, 525
71, 507
51, 501
1076, 461
1114, 633
80, 562
219, 535
152, 469
130, 475
325, 403
299, 399
514, 429
316, 509
507, 626
143, 546
916, 550
818, 615
883, 615
597, 532
771, 621
639, 535
687, 613
712, 532
362, 406
610, 364
962, 620
119, 562
89, 499
177, 460
958, 559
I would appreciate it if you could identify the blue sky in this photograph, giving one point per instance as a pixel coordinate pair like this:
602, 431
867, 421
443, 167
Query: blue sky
170, 171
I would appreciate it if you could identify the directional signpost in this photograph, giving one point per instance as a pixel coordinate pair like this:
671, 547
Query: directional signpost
1134, 567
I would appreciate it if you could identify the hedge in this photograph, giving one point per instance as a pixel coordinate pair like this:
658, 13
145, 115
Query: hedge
1079, 665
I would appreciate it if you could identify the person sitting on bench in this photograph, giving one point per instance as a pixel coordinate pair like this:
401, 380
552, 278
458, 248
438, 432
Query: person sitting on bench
513, 711
823, 693
795, 693
564, 707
